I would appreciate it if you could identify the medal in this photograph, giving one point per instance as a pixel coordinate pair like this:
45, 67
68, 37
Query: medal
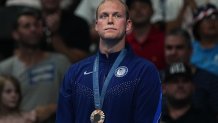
97, 116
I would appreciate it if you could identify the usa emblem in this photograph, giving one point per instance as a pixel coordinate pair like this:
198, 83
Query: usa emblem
121, 71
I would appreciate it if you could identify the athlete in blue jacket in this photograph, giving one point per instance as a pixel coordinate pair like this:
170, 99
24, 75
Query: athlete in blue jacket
113, 86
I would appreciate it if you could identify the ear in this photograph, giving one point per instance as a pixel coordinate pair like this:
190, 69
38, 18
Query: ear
96, 25
129, 26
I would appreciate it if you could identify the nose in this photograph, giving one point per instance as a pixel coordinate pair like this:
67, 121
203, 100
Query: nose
33, 28
110, 19
173, 51
14, 94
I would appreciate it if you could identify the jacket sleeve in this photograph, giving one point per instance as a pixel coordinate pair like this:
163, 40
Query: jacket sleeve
148, 97
65, 107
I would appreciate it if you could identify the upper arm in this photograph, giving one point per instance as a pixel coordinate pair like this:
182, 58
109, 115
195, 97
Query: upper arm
148, 97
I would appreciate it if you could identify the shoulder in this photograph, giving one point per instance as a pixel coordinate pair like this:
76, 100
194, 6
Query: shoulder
138, 61
83, 63
201, 75
76, 71
59, 61
8, 60
58, 57
7, 63
155, 30
143, 63
201, 116
144, 70
204, 72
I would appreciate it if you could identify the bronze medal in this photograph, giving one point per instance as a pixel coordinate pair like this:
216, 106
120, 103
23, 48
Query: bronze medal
97, 116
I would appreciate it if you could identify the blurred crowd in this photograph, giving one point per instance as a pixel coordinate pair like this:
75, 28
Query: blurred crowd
40, 39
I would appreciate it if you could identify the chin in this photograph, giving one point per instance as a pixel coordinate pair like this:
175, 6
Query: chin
181, 97
12, 106
109, 36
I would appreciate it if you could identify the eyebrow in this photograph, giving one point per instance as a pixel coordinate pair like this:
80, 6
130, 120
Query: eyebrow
115, 12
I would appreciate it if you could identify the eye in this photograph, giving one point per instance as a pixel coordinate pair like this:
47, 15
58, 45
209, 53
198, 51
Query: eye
168, 47
26, 26
8, 91
180, 47
117, 15
103, 16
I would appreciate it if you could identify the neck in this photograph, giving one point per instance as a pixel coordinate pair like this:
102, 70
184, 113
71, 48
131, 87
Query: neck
5, 112
29, 56
176, 112
107, 48
141, 33
208, 43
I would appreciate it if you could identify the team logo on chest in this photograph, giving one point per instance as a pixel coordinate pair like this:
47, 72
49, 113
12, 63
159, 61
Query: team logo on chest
121, 71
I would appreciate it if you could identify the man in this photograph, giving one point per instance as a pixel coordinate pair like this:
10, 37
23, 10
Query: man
146, 39
174, 13
178, 88
113, 86
66, 33
205, 30
178, 48
39, 72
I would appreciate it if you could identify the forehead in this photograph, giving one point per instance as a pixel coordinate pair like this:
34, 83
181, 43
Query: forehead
111, 6
174, 39
9, 84
26, 18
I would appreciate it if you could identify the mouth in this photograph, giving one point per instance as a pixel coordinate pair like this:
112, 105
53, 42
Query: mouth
13, 101
110, 29
180, 91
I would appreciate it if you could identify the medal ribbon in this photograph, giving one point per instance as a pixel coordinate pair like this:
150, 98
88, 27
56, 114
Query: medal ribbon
99, 98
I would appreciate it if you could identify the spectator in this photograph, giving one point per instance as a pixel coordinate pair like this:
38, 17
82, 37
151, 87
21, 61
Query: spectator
10, 98
178, 48
178, 88
67, 33
174, 13
177, 13
205, 30
146, 40
39, 72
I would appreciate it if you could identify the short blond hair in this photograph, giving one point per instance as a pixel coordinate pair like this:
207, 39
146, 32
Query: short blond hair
124, 4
